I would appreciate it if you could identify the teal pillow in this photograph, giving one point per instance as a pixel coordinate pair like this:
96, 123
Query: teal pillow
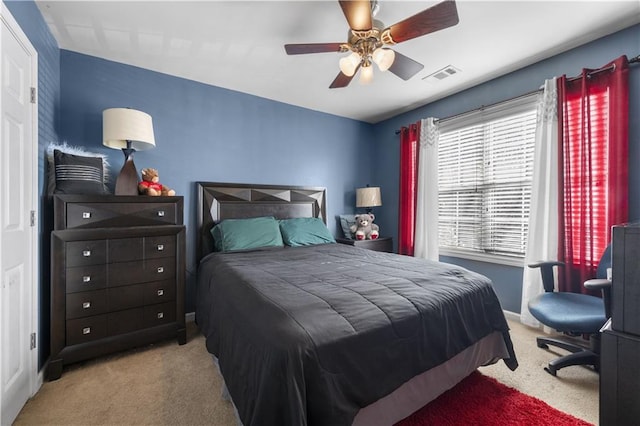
246, 234
305, 231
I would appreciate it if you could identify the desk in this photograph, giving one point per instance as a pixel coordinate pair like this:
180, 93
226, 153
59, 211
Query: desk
619, 379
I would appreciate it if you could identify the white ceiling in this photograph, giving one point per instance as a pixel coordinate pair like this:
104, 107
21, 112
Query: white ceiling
239, 44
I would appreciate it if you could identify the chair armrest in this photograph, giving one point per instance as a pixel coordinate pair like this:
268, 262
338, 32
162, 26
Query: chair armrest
542, 263
605, 286
597, 284
546, 271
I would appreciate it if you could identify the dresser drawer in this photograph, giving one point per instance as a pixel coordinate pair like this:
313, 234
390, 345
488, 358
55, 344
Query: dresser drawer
155, 214
126, 273
86, 303
133, 296
130, 249
81, 253
162, 313
126, 249
126, 297
106, 215
161, 246
83, 330
159, 292
125, 321
85, 278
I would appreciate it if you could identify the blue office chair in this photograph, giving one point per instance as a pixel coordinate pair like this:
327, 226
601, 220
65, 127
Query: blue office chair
573, 314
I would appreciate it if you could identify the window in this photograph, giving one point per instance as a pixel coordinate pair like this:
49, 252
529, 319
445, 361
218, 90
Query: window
485, 168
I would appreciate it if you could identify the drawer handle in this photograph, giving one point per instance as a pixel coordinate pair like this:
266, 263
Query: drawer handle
86, 215
160, 315
161, 213
86, 330
86, 305
161, 292
86, 253
160, 247
86, 278
160, 269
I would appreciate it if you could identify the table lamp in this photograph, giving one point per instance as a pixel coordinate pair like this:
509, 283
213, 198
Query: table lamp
129, 130
368, 197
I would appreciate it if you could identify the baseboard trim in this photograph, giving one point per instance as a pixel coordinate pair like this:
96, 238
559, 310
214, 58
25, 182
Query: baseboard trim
512, 316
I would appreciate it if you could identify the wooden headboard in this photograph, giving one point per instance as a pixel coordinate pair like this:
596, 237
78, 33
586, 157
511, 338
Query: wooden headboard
218, 201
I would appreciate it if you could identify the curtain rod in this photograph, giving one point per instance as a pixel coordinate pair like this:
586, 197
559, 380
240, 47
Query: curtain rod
481, 107
631, 61
608, 68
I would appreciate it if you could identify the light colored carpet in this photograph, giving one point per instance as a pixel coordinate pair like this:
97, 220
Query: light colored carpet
168, 384
575, 390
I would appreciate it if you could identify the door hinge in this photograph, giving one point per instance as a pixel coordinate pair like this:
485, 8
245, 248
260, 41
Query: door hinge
33, 95
33, 341
33, 218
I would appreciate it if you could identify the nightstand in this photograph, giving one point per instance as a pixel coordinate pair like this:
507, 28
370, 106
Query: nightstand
379, 244
117, 275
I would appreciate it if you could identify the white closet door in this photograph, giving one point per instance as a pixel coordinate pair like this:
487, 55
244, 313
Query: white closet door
18, 211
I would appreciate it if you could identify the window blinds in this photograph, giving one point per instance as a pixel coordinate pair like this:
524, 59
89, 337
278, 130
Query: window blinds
485, 167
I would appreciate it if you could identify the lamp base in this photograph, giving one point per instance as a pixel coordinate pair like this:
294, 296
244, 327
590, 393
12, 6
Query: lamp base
127, 181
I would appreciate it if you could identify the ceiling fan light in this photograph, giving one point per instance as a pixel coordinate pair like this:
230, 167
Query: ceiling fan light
349, 64
383, 58
366, 74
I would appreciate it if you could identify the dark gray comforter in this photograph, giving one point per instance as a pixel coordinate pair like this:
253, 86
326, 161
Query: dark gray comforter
309, 335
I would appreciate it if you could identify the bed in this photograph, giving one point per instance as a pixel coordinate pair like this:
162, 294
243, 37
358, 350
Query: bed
332, 334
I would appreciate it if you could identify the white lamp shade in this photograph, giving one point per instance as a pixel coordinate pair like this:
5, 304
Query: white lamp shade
366, 74
384, 58
120, 125
349, 64
368, 197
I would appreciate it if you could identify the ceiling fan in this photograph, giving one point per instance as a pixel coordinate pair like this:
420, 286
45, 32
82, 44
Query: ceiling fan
368, 38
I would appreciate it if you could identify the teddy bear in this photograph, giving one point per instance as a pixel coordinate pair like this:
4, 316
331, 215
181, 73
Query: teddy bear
364, 228
150, 184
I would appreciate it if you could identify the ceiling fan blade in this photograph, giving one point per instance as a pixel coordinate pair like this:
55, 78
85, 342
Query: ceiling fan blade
405, 67
342, 80
299, 49
435, 18
358, 14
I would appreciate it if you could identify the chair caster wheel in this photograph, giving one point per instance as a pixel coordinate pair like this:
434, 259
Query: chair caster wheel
550, 370
542, 345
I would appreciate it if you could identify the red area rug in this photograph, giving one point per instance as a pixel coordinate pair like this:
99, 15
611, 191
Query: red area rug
481, 400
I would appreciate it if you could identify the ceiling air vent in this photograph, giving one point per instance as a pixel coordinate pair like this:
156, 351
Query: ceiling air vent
441, 74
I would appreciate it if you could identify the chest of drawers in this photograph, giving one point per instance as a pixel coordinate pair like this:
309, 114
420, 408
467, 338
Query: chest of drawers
117, 275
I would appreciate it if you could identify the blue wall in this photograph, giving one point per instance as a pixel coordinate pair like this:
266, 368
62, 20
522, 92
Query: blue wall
508, 280
206, 133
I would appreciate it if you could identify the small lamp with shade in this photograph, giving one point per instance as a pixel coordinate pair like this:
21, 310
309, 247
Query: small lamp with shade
368, 198
129, 130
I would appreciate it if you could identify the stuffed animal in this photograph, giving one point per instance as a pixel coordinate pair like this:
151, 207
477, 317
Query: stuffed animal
364, 228
150, 184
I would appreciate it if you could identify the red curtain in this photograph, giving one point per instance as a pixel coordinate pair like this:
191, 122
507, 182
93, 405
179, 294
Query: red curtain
593, 127
408, 191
